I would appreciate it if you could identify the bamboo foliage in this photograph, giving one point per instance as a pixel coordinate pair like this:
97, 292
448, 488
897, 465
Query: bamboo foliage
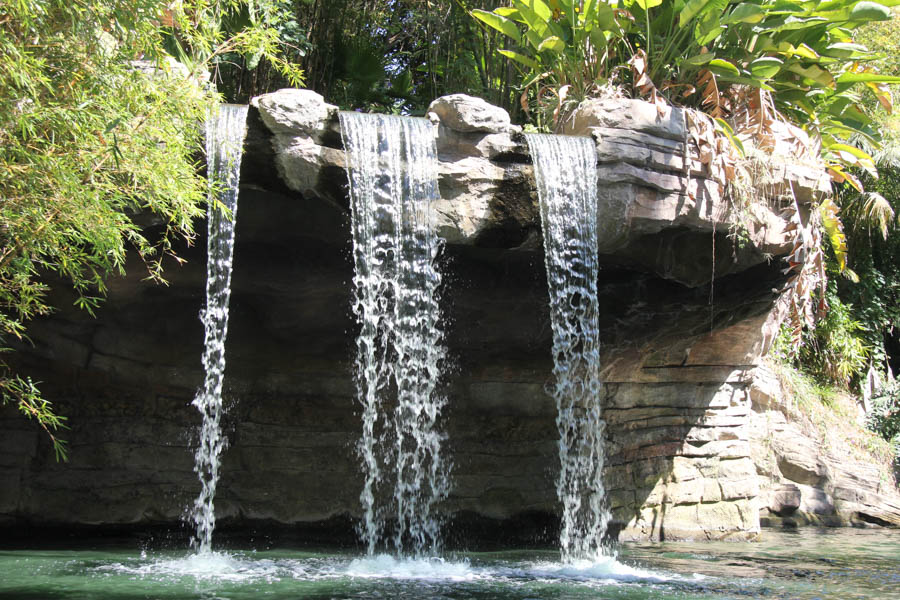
99, 124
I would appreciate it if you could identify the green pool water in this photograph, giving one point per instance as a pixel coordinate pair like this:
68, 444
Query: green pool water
808, 564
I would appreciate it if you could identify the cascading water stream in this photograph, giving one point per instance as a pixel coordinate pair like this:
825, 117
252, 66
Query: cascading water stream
566, 173
391, 165
225, 132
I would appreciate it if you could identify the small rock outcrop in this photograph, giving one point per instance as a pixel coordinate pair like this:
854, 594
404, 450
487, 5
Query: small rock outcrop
808, 476
686, 287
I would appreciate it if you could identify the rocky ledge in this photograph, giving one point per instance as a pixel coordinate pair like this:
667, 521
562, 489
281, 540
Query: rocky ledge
689, 279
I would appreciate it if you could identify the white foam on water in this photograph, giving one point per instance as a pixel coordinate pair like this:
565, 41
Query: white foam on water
605, 570
249, 569
389, 567
219, 566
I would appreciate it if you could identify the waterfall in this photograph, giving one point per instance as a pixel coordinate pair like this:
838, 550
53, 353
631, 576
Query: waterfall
391, 164
225, 132
566, 172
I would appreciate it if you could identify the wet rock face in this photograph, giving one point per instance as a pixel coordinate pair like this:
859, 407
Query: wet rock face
682, 310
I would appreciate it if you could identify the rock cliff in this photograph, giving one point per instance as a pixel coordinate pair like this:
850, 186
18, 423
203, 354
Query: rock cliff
686, 287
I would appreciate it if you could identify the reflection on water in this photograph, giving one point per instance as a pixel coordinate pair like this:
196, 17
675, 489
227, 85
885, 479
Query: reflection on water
810, 564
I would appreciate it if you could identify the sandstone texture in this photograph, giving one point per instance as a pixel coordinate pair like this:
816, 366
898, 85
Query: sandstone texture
683, 298
808, 475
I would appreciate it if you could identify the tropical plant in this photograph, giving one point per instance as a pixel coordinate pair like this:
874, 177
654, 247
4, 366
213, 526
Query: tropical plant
755, 62
835, 351
91, 138
884, 418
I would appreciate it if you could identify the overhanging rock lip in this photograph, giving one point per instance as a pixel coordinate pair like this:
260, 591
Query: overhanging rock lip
486, 188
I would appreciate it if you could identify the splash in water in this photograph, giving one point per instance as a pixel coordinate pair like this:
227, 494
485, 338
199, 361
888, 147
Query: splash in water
225, 132
566, 173
393, 181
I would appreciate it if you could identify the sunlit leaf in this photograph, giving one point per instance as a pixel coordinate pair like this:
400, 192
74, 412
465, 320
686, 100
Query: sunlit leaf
745, 12
766, 66
870, 11
720, 66
552, 44
502, 24
831, 221
521, 59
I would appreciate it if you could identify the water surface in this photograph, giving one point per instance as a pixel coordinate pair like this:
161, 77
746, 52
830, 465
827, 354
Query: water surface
810, 564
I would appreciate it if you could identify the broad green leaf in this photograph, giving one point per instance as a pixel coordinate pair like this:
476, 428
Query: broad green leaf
599, 39
793, 23
699, 59
726, 129
521, 58
723, 67
802, 51
647, 4
535, 23
552, 44
814, 73
846, 50
588, 13
509, 13
853, 150
692, 9
873, 77
539, 8
757, 83
785, 8
505, 26
706, 36
533, 38
745, 13
709, 22
572, 10
835, 5
870, 11
835, 230
605, 17
790, 23
766, 67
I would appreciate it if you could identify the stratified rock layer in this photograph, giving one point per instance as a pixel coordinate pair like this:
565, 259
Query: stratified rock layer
808, 476
682, 303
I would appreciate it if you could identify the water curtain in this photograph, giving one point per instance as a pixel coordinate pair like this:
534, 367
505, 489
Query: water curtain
393, 182
225, 130
566, 173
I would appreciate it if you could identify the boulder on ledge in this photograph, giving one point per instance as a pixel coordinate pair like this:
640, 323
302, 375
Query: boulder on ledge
467, 114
